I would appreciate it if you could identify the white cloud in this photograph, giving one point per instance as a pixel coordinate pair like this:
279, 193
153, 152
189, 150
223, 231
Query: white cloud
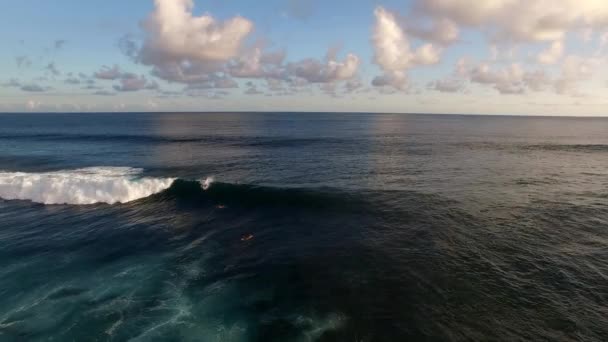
393, 53
331, 70
551, 55
257, 64
132, 82
514, 79
107, 73
175, 34
521, 20
394, 79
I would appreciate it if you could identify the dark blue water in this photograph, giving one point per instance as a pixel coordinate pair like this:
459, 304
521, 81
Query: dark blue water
302, 227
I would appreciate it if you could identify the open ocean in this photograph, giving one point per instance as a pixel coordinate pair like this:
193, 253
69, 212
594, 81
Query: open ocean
303, 227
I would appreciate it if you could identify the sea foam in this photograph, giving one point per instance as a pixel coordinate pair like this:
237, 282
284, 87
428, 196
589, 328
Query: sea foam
81, 186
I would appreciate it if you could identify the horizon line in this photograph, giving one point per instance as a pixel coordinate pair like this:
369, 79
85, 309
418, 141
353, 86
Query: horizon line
309, 112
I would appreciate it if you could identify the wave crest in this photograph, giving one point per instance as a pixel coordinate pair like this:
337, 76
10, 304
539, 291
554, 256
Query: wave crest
82, 186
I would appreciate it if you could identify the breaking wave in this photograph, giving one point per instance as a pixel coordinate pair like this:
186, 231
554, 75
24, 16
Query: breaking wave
119, 185
82, 186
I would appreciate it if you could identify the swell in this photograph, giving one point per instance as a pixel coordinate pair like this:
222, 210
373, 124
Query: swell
116, 185
252, 196
251, 141
518, 147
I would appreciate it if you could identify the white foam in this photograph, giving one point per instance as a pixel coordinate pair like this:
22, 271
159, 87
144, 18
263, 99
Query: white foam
82, 186
206, 183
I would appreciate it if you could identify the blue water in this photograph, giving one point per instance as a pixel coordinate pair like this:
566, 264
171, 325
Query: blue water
302, 227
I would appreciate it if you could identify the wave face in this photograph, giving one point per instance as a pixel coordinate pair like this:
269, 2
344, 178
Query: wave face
81, 186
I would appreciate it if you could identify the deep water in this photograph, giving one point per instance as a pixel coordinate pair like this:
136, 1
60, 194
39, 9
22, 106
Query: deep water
302, 227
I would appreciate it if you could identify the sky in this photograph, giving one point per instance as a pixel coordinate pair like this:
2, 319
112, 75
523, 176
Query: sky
519, 57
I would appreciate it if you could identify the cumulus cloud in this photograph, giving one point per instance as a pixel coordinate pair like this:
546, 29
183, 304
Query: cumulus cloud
33, 87
128, 82
520, 20
574, 70
331, 70
133, 82
353, 85
215, 81
551, 55
174, 33
515, 79
182, 47
107, 73
395, 79
257, 64
393, 52
441, 30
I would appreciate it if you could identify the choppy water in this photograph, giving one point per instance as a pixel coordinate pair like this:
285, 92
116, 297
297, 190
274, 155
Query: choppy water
302, 227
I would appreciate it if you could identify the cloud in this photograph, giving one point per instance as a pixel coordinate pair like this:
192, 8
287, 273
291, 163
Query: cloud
393, 53
72, 80
331, 70
442, 31
514, 79
60, 43
508, 80
23, 61
519, 20
52, 68
205, 53
107, 73
394, 79
128, 82
132, 82
574, 70
274, 84
353, 85
214, 81
447, 86
34, 88
256, 64
175, 34
551, 55
184, 48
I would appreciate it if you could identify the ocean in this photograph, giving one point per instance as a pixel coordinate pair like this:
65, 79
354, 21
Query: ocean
302, 227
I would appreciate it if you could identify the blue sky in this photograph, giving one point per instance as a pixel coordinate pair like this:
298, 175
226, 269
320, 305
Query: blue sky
460, 56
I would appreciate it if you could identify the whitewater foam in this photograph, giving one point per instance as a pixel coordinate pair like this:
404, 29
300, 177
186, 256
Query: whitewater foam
206, 183
81, 186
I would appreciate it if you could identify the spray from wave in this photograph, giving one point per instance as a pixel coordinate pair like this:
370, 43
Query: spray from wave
206, 183
82, 186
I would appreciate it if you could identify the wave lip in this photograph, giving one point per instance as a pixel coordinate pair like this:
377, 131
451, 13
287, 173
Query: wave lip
81, 186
